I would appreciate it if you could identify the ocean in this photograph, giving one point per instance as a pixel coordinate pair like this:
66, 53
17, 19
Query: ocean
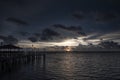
65, 66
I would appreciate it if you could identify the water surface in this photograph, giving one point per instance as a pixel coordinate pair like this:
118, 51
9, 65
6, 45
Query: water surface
68, 66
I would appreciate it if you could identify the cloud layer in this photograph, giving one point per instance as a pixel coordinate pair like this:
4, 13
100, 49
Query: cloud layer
9, 39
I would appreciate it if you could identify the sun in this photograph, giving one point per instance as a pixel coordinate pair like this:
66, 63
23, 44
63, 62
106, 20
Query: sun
68, 49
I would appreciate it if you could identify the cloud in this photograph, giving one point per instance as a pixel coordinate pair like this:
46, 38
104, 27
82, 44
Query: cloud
76, 29
59, 26
37, 34
48, 34
105, 16
23, 33
2, 37
79, 15
103, 37
11, 25
109, 44
9, 39
110, 36
82, 33
70, 28
16, 21
98, 16
33, 39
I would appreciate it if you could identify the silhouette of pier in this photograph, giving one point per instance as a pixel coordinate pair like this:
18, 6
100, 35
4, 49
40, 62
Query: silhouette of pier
11, 58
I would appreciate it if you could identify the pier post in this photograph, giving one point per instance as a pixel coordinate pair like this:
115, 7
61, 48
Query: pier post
44, 66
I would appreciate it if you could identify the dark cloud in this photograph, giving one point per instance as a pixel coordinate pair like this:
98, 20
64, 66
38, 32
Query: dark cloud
105, 16
79, 15
47, 34
9, 39
2, 37
71, 28
33, 39
82, 33
77, 29
17, 21
109, 44
42, 13
23, 33
37, 34
99, 15
59, 26
74, 28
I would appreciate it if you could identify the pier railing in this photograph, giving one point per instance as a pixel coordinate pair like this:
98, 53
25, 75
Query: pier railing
14, 50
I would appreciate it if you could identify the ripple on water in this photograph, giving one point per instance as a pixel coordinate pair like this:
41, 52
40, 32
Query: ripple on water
88, 66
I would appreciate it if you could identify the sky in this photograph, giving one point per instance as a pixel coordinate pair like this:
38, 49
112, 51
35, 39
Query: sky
59, 22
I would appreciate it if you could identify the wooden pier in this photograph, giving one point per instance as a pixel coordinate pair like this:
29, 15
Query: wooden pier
12, 58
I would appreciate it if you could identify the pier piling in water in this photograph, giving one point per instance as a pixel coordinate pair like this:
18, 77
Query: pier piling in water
11, 60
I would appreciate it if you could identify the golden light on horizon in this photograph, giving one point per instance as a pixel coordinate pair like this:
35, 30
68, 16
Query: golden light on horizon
68, 49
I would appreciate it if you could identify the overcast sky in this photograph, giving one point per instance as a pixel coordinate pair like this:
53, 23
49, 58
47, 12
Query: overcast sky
51, 20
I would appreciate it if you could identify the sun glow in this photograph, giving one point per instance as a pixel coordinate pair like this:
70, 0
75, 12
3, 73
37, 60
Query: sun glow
68, 49
66, 42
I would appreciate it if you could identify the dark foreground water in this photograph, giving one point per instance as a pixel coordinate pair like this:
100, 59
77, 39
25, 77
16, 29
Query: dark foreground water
67, 66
